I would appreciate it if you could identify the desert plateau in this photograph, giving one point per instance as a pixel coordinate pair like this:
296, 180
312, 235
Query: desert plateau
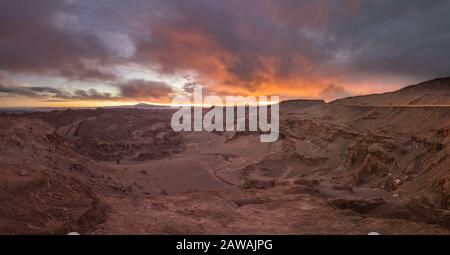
351, 166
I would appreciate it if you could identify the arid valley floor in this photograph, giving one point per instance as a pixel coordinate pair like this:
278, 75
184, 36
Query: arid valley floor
374, 163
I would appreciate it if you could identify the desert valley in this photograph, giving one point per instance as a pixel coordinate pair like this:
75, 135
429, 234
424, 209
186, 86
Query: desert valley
377, 163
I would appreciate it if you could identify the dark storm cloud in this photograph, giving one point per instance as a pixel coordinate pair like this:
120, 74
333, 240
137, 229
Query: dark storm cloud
91, 94
17, 91
142, 89
399, 37
282, 44
54, 92
41, 37
242, 42
32, 92
128, 90
250, 42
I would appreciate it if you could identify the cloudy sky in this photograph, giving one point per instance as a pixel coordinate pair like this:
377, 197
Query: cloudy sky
105, 52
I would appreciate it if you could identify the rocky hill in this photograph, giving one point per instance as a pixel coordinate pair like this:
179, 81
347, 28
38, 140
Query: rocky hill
431, 93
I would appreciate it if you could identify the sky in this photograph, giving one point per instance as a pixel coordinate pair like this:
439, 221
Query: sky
89, 53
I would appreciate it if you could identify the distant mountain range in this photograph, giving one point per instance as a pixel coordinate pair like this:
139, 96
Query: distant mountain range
430, 93
141, 106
